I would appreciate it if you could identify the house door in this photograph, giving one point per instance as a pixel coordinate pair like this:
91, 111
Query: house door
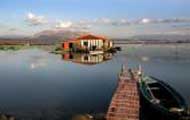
94, 47
71, 46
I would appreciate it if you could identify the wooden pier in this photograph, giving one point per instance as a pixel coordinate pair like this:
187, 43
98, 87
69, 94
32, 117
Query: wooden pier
125, 103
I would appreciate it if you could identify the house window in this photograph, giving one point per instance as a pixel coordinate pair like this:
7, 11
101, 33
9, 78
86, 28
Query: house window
85, 43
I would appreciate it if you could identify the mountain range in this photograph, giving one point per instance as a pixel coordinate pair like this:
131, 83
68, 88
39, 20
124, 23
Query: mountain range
54, 36
44, 37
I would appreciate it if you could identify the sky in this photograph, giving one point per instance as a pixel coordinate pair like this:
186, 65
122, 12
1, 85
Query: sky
113, 18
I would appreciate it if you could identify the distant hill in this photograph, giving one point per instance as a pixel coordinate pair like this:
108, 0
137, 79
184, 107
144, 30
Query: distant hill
162, 37
43, 37
54, 36
153, 39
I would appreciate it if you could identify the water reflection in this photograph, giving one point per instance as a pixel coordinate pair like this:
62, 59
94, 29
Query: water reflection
38, 62
145, 59
87, 59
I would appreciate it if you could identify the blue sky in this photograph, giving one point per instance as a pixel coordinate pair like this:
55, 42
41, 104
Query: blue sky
101, 16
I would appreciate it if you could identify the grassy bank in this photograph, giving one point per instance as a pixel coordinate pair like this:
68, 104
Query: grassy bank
11, 47
21, 47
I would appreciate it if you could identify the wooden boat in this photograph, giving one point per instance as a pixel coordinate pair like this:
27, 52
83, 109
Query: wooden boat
160, 100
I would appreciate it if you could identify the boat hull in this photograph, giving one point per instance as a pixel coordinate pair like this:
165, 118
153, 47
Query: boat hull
153, 111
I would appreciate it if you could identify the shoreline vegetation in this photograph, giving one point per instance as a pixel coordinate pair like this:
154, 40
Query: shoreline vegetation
21, 47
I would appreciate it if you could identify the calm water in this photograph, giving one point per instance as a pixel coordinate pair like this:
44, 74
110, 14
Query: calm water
40, 85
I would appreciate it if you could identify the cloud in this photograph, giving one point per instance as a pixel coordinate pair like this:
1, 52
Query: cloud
121, 22
174, 20
73, 26
63, 24
35, 20
124, 21
169, 20
103, 21
145, 21
87, 24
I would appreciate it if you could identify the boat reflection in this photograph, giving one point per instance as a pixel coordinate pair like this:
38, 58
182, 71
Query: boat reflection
87, 59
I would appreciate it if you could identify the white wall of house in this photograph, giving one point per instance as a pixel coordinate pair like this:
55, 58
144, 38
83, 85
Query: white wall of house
111, 44
92, 59
93, 42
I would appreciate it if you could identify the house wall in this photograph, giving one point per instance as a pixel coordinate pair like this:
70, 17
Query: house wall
93, 42
65, 45
110, 44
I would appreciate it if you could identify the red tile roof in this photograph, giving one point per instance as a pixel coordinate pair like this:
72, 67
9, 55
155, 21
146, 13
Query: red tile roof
90, 36
87, 37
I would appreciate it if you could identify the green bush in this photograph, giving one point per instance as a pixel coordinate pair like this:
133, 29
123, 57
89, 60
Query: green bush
12, 48
2, 48
58, 49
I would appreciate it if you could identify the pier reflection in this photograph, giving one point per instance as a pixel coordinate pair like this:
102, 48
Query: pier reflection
87, 59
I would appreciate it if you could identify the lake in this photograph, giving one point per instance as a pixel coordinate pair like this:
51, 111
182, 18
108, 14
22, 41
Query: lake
36, 84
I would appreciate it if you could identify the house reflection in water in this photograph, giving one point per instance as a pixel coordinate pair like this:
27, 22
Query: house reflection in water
87, 59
